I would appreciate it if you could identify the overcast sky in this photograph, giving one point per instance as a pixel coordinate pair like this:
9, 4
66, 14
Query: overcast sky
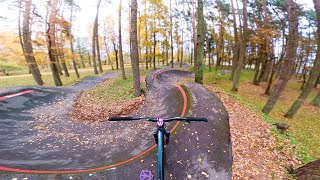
83, 18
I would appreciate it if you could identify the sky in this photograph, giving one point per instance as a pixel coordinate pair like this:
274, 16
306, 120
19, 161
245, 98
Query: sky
82, 18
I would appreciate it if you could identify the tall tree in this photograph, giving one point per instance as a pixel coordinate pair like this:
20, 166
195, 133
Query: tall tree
98, 50
191, 7
71, 41
95, 26
171, 38
105, 33
314, 73
289, 59
96, 34
134, 48
120, 45
61, 24
146, 32
236, 48
51, 42
243, 45
19, 25
27, 45
200, 43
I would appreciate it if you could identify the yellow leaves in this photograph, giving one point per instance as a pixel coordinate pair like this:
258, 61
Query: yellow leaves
11, 50
261, 35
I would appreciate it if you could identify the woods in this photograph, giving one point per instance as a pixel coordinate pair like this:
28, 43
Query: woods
274, 39
262, 54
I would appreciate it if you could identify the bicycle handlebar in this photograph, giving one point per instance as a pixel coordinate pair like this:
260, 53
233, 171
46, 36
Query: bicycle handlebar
187, 119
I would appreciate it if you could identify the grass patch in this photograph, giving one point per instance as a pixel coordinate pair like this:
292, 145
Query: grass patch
116, 89
113, 90
47, 78
304, 129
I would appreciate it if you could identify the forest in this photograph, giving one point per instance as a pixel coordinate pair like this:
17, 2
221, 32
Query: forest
265, 53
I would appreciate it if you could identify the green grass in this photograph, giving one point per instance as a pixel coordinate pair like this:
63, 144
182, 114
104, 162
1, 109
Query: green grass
117, 89
47, 78
113, 90
6, 69
304, 128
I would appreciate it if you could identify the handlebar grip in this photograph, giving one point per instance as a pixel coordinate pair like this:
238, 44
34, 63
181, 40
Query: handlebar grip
197, 119
121, 119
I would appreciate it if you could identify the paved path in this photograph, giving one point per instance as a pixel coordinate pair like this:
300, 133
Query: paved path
199, 150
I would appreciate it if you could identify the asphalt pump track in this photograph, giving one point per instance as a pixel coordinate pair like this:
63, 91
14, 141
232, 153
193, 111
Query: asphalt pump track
39, 140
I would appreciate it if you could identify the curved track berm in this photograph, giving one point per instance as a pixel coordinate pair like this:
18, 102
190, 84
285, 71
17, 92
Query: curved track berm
42, 140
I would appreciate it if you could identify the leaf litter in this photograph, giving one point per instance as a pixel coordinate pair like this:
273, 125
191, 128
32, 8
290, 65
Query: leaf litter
257, 154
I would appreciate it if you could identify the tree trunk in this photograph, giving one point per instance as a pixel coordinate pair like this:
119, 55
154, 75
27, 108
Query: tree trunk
52, 52
178, 49
194, 35
191, 56
134, 48
71, 45
64, 65
171, 39
27, 45
154, 50
96, 40
181, 49
89, 59
200, 43
289, 59
209, 51
123, 73
146, 34
94, 62
19, 26
61, 55
116, 52
317, 82
273, 70
235, 57
304, 75
107, 51
316, 100
314, 73
243, 45
98, 51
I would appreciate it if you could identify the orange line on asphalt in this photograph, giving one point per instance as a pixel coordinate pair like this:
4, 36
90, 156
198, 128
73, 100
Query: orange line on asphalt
185, 102
15, 94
